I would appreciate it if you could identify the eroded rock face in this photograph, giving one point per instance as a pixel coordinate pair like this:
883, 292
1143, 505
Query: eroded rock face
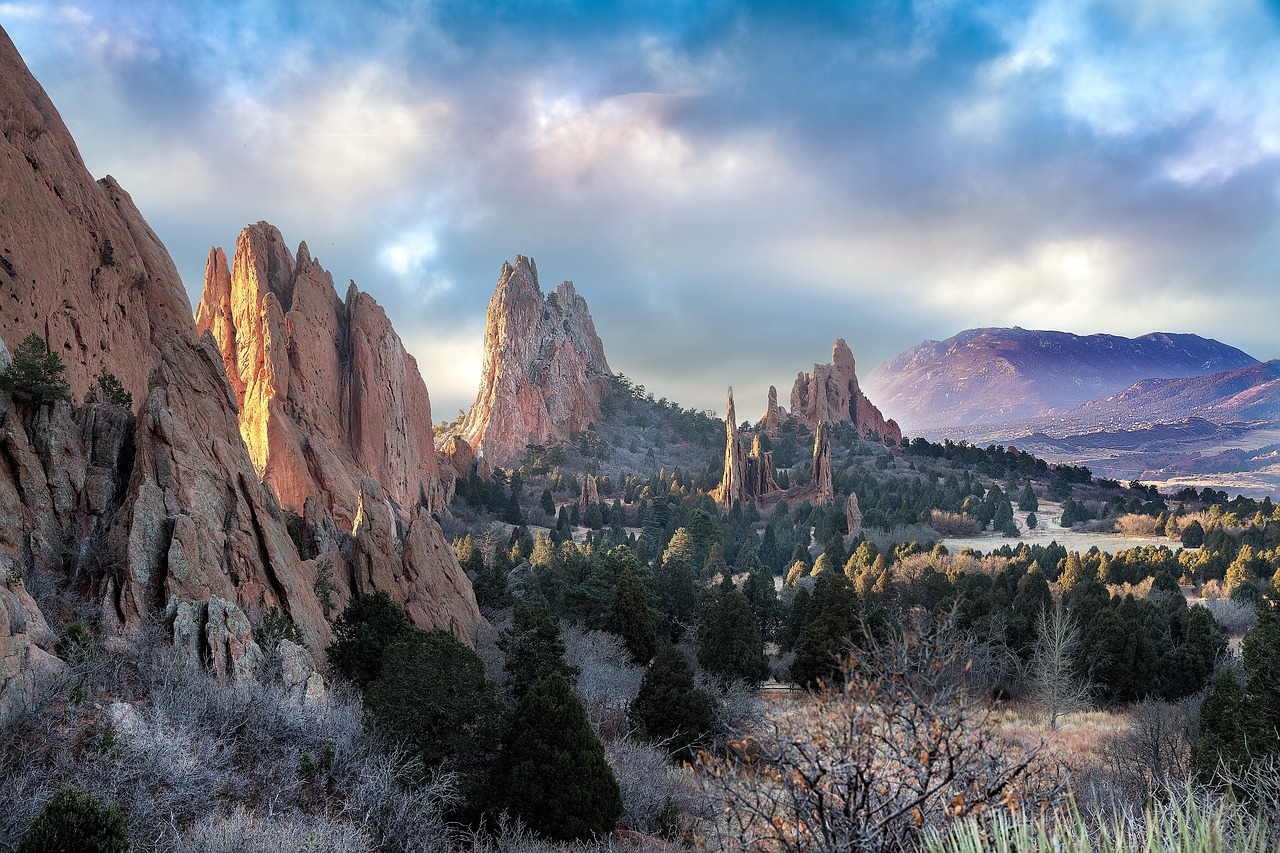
545, 373
590, 495
417, 568
831, 394
26, 643
747, 475
78, 265
327, 393
774, 415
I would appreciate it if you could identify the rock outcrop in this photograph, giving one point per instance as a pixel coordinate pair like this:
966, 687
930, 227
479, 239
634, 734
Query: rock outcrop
852, 515
590, 495
747, 475
327, 393
545, 374
822, 490
831, 394
774, 415
26, 643
159, 513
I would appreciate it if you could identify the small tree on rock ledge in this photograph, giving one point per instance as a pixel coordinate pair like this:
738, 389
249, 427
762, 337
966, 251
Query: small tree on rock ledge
34, 376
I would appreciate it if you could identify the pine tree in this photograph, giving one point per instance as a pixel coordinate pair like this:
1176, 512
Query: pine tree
552, 773
368, 625
73, 820
432, 696
669, 707
731, 644
628, 617
34, 375
533, 649
1225, 730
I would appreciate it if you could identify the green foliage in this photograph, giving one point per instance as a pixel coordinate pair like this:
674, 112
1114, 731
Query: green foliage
76, 822
108, 254
552, 773
431, 695
832, 627
368, 625
276, 626
1193, 535
628, 617
75, 644
1225, 729
324, 587
34, 376
732, 648
533, 649
669, 708
114, 390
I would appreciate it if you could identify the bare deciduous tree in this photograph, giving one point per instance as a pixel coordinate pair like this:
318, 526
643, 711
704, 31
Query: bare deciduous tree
904, 744
1054, 681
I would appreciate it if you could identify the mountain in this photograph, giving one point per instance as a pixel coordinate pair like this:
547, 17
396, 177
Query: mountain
830, 394
155, 511
994, 375
326, 392
1247, 394
545, 374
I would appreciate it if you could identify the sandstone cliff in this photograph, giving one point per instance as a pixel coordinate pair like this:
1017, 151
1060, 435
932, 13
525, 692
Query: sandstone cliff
831, 394
158, 514
327, 393
545, 373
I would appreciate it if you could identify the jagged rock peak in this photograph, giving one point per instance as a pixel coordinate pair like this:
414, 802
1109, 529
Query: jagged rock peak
326, 392
545, 373
747, 475
831, 393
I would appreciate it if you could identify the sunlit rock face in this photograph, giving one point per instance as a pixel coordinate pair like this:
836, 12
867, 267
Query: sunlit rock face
545, 373
326, 392
831, 394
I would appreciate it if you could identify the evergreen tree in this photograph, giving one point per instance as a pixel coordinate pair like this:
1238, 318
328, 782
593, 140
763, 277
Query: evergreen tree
715, 565
74, 821
1261, 654
369, 624
1193, 535
628, 617
1225, 730
533, 649
669, 707
552, 773
833, 628
1027, 501
731, 644
432, 696
34, 375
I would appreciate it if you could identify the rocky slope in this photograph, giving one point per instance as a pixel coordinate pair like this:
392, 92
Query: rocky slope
992, 375
156, 513
327, 393
831, 394
545, 372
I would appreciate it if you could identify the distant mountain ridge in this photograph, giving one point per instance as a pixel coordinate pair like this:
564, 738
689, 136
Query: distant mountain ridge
993, 375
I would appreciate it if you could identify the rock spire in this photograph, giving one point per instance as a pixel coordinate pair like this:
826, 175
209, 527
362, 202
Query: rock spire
544, 375
747, 475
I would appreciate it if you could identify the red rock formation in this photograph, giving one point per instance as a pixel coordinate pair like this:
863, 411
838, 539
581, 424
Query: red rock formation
822, 489
326, 391
774, 415
831, 393
746, 476
545, 373
161, 514
590, 493
853, 515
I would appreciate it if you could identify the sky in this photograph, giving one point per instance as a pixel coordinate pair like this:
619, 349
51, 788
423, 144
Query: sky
731, 186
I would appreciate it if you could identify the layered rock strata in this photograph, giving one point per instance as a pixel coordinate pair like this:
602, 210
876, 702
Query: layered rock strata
545, 374
326, 392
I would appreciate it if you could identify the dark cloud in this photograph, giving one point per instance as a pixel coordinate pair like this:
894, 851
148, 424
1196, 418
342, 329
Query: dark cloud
731, 185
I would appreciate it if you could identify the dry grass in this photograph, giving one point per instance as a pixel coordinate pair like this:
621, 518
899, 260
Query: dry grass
1077, 742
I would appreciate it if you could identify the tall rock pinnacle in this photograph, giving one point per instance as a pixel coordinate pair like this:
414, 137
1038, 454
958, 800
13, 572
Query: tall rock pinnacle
545, 373
747, 476
326, 391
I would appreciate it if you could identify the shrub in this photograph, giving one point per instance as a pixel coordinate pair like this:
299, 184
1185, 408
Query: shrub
34, 376
369, 624
74, 820
114, 390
